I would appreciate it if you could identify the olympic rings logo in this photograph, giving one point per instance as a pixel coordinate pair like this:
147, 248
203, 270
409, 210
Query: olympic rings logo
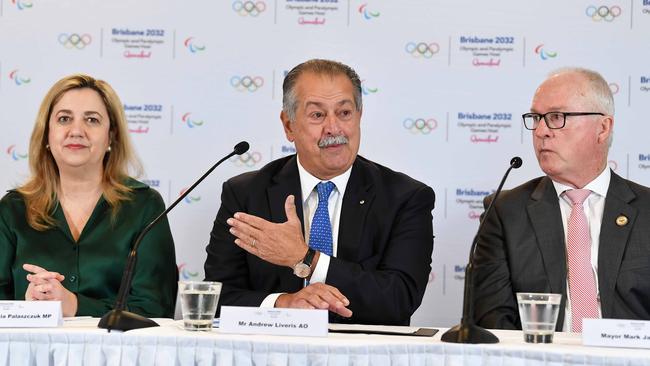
603, 12
247, 83
420, 125
244, 8
74, 40
422, 49
247, 159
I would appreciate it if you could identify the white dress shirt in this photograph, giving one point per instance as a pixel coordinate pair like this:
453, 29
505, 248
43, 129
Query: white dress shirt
309, 204
594, 207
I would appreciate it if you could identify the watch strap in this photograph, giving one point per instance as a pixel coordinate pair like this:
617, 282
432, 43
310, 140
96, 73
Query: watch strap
309, 257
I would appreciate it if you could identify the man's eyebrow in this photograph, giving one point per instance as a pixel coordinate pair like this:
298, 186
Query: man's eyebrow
319, 104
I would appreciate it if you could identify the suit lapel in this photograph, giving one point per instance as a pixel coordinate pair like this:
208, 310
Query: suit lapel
613, 239
286, 182
359, 194
544, 212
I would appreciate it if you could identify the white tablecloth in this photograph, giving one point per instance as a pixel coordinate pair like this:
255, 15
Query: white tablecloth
80, 342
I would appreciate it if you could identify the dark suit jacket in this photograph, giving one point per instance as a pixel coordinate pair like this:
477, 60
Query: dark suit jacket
522, 249
385, 241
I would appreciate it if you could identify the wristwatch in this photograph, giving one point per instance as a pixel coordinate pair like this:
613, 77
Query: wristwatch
302, 269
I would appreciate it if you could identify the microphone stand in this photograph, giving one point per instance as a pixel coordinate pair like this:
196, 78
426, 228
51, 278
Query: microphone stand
119, 318
467, 331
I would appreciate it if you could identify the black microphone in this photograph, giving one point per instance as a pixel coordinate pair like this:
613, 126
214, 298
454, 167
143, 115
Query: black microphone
119, 318
467, 331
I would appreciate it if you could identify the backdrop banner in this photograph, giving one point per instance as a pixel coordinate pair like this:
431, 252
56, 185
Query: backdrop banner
444, 87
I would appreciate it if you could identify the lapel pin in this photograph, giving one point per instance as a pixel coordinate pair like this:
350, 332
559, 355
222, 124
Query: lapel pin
621, 220
362, 202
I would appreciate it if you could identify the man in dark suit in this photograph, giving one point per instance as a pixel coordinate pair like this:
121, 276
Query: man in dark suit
369, 228
595, 249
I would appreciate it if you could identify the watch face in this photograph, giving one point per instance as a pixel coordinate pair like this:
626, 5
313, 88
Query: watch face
301, 270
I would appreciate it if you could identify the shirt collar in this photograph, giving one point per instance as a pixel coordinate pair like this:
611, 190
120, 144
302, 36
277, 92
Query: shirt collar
599, 185
308, 181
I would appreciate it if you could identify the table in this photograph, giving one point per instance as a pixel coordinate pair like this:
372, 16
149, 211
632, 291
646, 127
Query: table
80, 342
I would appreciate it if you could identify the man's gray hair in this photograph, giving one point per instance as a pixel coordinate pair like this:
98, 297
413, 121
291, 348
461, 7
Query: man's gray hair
319, 67
601, 93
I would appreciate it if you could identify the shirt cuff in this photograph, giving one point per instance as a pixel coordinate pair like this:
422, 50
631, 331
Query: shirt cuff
269, 301
320, 272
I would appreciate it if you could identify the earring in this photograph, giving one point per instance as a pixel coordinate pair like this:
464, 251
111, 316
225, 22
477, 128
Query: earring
47, 146
109, 148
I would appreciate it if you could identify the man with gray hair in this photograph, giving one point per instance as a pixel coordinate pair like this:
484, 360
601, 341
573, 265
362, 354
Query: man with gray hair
581, 231
325, 228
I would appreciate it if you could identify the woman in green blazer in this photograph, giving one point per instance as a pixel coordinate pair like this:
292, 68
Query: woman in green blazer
66, 233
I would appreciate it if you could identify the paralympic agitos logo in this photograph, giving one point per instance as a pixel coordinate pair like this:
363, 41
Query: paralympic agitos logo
367, 89
189, 198
193, 46
191, 122
543, 53
185, 273
22, 4
367, 13
14, 154
18, 78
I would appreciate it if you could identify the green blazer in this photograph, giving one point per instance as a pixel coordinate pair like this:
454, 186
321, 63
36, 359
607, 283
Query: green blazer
93, 265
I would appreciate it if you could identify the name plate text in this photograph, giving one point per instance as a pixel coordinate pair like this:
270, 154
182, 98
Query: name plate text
30, 314
273, 321
620, 333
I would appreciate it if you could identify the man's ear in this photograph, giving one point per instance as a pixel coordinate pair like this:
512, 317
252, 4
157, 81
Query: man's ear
606, 129
288, 128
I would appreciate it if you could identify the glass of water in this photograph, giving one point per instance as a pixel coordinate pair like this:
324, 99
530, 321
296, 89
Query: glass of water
538, 313
198, 303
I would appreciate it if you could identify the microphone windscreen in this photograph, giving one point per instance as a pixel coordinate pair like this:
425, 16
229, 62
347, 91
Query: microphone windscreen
241, 147
516, 162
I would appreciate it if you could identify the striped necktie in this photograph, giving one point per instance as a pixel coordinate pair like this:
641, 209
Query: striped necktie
582, 285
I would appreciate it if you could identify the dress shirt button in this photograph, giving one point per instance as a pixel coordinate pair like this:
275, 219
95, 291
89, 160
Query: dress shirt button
73, 278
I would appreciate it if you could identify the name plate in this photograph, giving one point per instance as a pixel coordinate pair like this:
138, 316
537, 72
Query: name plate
273, 321
30, 314
620, 333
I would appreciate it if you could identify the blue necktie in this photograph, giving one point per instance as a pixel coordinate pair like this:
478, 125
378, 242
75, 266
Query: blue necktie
320, 233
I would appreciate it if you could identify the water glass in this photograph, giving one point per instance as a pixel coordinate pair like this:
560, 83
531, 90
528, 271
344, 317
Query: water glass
538, 313
198, 303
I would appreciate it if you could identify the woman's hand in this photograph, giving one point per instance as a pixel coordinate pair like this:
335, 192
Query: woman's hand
46, 285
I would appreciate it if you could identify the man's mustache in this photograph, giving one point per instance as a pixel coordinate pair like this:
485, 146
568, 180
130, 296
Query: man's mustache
332, 140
